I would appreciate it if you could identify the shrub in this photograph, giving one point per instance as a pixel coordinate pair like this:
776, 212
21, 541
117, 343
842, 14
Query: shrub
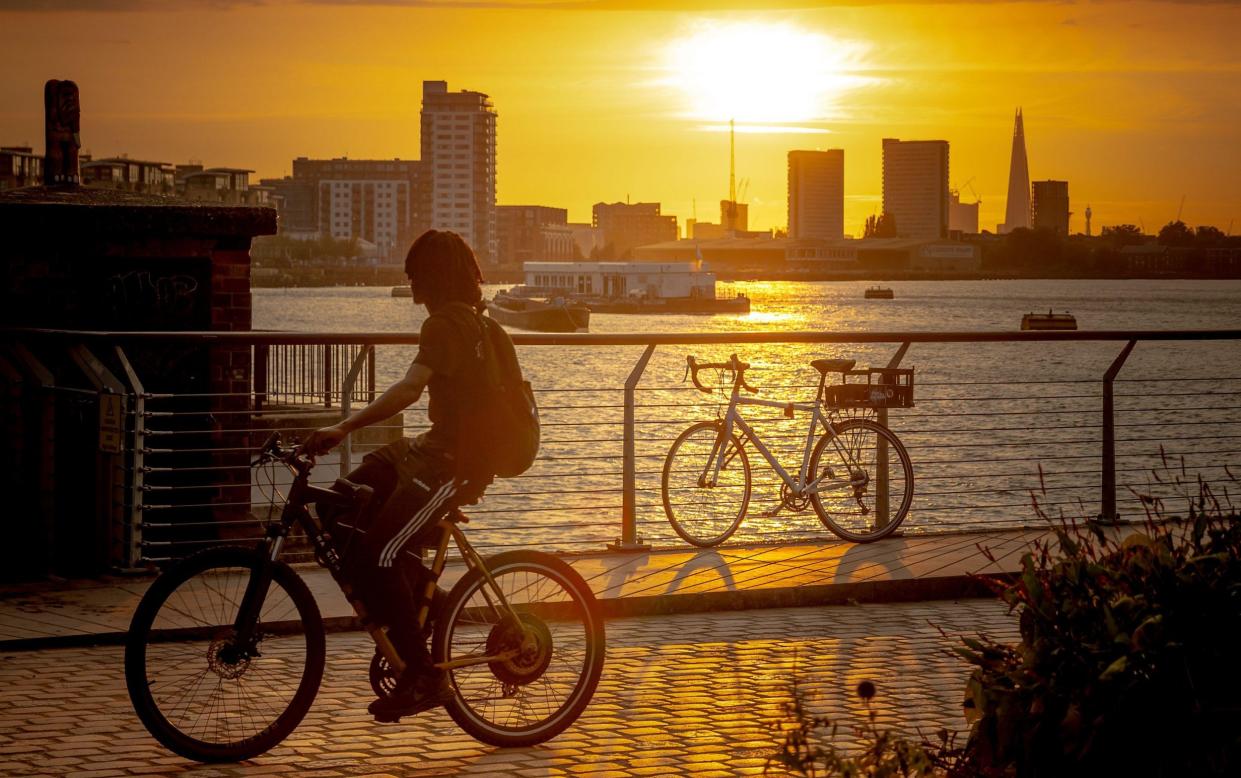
1127, 663
886, 754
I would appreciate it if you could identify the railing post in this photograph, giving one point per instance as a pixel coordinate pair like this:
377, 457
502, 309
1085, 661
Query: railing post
1108, 514
137, 479
327, 375
346, 405
882, 509
629, 540
260, 375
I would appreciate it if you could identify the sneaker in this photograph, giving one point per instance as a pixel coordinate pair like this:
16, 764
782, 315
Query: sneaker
425, 689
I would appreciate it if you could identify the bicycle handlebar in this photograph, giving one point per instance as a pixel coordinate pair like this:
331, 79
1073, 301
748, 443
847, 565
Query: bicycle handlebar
734, 365
272, 450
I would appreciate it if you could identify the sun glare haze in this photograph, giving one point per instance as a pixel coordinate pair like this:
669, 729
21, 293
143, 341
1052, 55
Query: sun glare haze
762, 73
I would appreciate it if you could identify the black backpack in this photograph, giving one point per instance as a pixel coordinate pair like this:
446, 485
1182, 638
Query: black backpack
499, 433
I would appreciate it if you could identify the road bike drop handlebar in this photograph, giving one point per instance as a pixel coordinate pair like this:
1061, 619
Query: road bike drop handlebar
733, 365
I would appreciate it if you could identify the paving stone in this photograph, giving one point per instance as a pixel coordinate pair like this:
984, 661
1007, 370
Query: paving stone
697, 692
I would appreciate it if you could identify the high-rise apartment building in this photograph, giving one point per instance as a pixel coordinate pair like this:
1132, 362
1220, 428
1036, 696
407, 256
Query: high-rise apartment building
1017, 209
459, 151
915, 186
1049, 206
376, 200
623, 226
817, 194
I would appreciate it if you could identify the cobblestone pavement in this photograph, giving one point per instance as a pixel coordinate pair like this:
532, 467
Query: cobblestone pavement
690, 694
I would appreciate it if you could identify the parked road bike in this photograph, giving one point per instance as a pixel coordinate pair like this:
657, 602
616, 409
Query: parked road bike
854, 472
226, 649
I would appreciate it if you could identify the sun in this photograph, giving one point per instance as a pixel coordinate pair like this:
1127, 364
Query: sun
762, 73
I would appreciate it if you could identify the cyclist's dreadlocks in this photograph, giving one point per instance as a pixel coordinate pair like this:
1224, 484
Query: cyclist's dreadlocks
442, 269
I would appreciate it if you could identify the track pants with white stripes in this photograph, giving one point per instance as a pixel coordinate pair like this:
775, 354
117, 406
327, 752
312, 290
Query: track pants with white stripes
414, 488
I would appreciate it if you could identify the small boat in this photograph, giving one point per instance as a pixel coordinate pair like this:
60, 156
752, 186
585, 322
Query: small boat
551, 315
402, 291
1049, 321
878, 293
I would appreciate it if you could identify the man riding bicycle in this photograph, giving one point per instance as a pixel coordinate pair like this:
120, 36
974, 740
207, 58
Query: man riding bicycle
417, 481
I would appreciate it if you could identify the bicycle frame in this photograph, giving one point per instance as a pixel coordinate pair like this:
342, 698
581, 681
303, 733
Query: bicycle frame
799, 484
301, 494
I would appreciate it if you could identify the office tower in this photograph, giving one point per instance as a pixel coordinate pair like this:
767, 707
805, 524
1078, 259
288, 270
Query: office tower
962, 217
817, 194
459, 151
623, 226
1049, 207
915, 186
1017, 210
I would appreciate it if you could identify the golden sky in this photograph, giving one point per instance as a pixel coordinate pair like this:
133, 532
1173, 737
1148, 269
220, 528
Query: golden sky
1135, 104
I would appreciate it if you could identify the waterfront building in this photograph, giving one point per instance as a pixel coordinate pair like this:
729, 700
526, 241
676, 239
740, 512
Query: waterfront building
219, 185
962, 217
623, 279
1049, 206
625, 226
20, 167
915, 186
459, 151
817, 194
130, 175
372, 200
1017, 209
295, 200
533, 232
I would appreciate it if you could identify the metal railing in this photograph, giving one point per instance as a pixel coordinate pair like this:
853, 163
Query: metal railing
1079, 421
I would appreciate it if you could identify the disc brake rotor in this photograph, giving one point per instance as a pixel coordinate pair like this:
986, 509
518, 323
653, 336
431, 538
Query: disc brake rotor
533, 645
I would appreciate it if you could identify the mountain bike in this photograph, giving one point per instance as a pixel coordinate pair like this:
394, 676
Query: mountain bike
856, 475
226, 649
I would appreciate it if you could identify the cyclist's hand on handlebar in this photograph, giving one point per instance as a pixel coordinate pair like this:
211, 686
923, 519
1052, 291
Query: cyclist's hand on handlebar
322, 441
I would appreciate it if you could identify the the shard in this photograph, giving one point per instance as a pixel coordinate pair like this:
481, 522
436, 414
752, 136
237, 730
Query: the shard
1017, 214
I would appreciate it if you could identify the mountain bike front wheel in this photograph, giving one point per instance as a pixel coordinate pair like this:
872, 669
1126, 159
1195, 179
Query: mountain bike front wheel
195, 687
704, 506
552, 661
865, 481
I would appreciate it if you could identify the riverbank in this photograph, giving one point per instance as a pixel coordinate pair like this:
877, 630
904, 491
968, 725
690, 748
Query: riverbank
276, 278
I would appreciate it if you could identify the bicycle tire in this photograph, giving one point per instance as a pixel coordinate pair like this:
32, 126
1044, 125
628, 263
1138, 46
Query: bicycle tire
466, 616
696, 522
177, 616
857, 528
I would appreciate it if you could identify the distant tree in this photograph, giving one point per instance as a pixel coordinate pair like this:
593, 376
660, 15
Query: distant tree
1123, 235
1176, 233
881, 226
1206, 236
1037, 251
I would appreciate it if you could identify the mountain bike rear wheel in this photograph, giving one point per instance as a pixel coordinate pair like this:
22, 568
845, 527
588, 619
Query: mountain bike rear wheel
857, 498
703, 507
540, 690
194, 687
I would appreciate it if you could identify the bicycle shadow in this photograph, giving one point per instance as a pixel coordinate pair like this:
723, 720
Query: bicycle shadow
884, 559
706, 561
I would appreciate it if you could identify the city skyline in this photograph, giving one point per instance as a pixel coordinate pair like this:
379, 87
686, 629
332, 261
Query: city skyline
591, 112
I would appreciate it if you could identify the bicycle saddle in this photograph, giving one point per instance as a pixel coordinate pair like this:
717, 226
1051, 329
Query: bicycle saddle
833, 365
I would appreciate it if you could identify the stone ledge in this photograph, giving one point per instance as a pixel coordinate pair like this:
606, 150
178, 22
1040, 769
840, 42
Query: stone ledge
83, 213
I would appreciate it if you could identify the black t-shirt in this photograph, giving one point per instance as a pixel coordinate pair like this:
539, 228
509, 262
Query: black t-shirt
446, 344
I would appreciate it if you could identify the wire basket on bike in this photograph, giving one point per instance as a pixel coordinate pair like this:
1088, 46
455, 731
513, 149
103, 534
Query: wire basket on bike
874, 387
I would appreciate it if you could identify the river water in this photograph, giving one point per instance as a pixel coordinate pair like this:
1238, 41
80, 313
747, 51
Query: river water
988, 417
